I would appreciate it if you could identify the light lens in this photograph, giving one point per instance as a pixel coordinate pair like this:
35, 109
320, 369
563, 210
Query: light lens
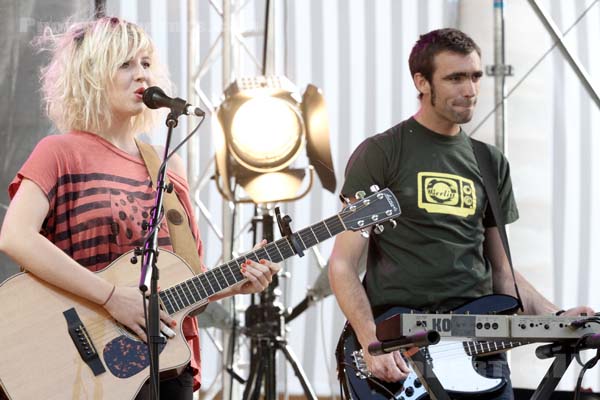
266, 133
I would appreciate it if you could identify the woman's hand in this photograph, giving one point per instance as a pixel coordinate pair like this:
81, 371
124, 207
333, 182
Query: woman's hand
258, 274
125, 305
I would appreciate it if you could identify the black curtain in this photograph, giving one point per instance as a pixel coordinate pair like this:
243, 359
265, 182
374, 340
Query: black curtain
22, 121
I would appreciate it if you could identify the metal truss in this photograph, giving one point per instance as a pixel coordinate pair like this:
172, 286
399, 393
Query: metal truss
229, 48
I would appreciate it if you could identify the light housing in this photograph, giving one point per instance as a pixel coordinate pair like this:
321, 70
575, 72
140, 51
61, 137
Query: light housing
261, 128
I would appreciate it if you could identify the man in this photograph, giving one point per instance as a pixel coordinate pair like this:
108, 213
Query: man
435, 259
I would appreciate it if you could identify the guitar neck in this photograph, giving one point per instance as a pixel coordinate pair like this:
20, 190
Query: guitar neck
483, 348
198, 289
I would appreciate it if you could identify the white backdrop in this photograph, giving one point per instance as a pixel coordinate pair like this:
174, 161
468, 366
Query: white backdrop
357, 51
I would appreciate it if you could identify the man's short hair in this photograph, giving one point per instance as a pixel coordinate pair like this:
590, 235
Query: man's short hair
431, 44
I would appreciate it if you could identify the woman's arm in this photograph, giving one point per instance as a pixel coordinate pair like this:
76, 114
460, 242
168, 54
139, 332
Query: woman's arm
21, 240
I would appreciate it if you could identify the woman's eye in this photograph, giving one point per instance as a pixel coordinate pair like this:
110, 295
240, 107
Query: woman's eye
125, 64
146, 64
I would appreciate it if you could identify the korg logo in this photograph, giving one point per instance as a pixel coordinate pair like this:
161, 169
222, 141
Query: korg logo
441, 324
446, 194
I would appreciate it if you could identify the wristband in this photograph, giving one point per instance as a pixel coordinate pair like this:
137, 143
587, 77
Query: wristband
109, 296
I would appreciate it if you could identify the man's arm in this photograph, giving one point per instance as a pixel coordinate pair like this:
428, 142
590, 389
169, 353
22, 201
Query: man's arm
534, 302
347, 252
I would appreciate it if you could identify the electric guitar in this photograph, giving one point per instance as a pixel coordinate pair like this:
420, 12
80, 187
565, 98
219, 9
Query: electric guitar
75, 350
450, 361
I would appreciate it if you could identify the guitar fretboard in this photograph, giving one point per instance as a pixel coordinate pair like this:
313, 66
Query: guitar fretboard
201, 287
476, 348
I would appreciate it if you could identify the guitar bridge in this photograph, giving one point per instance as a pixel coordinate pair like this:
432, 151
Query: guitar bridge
362, 372
82, 341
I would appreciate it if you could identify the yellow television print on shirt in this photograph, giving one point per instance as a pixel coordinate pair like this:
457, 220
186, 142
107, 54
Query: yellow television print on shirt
446, 194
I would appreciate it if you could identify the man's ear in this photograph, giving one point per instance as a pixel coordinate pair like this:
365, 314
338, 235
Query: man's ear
422, 84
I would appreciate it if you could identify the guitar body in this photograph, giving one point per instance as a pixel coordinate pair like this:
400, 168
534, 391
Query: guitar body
58, 346
456, 374
39, 359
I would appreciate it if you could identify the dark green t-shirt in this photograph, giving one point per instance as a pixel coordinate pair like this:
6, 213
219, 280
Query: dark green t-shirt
433, 260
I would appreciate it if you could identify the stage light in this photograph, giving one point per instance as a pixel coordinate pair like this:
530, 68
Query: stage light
261, 128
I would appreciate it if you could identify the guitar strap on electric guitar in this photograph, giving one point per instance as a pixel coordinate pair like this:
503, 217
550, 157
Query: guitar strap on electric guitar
182, 240
490, 185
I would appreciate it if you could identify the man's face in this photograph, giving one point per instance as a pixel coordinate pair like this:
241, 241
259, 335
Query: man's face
454, 86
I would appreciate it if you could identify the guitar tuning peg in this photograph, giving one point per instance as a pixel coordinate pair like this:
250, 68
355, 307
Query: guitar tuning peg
360, 194
374, 188
378, 229
344, 200
394, 223
364, 233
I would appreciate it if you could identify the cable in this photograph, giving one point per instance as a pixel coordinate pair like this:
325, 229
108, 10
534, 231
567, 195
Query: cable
588, 365
266, 38
163, 166
580, 323
530, 70
188, 137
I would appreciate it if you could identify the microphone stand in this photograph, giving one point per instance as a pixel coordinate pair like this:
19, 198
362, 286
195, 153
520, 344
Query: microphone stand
149, 258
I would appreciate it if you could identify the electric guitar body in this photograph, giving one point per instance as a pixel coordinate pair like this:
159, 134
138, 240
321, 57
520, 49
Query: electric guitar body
450, 361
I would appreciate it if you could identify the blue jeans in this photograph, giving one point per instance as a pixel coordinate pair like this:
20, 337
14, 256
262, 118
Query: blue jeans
495, 366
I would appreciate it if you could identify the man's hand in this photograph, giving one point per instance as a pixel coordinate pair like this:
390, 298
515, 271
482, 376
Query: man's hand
389, 367
578, 311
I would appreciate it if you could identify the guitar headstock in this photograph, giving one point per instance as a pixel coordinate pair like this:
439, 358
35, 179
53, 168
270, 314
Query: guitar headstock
378, 207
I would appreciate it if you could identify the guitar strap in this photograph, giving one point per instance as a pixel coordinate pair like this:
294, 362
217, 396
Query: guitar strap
182, 240
490, 185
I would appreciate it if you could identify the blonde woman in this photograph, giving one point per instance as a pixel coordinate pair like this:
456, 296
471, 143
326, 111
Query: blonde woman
79, 200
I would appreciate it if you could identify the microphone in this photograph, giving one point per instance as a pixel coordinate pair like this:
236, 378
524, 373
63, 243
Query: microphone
154, 98
591, 341
419, 339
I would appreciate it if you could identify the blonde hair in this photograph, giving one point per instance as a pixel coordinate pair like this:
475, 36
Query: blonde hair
85, 59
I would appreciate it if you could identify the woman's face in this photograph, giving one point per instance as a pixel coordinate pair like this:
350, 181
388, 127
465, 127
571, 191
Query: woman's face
128, 85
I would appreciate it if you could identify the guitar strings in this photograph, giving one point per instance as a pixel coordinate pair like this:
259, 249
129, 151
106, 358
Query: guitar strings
372, 380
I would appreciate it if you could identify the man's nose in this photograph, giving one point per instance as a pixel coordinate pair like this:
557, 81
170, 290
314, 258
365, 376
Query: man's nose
471, 88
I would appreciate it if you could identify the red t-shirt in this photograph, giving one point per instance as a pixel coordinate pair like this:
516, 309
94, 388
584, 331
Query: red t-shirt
99, 195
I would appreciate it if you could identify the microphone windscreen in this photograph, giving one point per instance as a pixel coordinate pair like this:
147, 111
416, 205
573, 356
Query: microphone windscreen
151, 95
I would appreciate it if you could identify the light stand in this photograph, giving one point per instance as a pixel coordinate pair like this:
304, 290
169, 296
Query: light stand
265, 325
